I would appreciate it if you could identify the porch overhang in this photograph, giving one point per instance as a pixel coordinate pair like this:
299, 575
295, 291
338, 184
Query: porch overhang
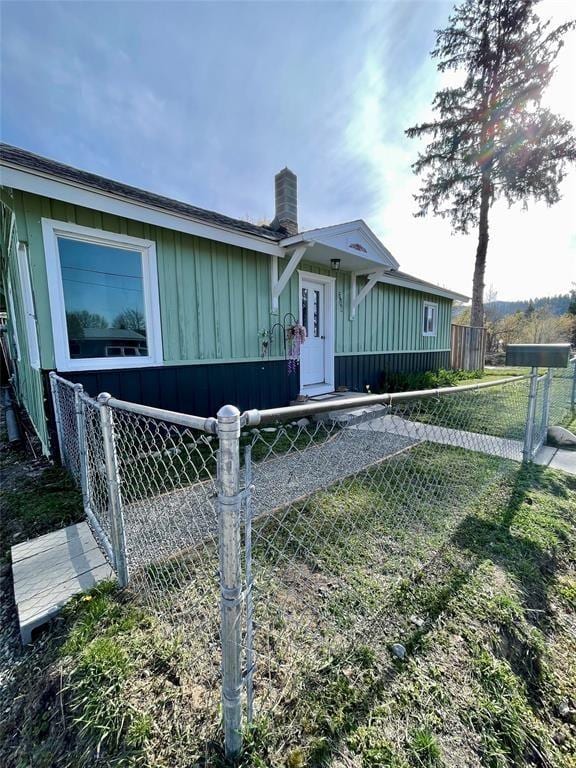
353, 243
359, 253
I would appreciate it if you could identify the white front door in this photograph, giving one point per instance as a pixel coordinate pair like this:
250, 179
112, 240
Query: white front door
315, 354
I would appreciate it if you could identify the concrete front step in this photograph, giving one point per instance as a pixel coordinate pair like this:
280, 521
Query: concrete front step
349, 415
352, 415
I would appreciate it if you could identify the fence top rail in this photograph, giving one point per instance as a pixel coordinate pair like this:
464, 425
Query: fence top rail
54, 377
255, 417
184, 420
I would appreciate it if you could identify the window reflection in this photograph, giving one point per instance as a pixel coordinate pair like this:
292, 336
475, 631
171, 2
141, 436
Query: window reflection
103, 298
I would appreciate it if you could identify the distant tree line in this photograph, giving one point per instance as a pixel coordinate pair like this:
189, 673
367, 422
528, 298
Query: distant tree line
536, 321
495, 308
129, 319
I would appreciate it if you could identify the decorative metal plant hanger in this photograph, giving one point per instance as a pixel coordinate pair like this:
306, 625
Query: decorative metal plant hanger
286, 333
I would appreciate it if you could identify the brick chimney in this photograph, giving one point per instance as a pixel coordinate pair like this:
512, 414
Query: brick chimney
286, 189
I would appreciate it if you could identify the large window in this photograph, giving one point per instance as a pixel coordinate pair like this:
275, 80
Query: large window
430, 319
103, 297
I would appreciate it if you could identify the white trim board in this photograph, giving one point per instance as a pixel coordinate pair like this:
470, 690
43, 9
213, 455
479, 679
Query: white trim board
392, 352
68, 192
50, 231
13, 323
28, 304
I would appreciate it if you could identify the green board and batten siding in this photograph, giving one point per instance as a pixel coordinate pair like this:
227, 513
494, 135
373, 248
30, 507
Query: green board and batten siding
28, 384
215, 298
388, 320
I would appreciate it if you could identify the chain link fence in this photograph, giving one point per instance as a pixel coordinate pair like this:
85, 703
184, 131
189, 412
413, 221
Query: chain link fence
64, 404
562, 395
273, 541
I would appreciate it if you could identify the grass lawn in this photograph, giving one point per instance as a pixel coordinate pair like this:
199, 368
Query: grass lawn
499, 411
501, 372
34, 502
468, 562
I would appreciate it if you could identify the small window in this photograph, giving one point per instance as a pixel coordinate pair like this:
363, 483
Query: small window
103, 296
430, 319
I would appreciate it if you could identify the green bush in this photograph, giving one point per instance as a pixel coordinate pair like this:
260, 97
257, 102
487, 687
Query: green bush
408, 382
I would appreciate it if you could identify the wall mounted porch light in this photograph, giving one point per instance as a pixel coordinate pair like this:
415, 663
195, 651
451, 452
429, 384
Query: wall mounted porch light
335, 264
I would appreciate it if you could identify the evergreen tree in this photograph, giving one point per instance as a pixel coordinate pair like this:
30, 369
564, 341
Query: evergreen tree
572, 312
572, 306
491, 137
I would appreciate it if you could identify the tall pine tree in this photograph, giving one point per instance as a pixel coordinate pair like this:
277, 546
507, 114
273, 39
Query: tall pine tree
492, 137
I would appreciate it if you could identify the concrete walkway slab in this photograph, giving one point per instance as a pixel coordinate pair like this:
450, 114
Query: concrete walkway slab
420, 432
557, 458
51, 569
548, 456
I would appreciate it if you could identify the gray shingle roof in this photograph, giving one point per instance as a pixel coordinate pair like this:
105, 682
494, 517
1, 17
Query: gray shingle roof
21, 158
424, 283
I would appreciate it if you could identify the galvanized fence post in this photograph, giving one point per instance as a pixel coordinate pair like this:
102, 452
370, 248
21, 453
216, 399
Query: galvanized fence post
546, 404
229, 507
57, 417
530, 416
81, 437
114, 494
249, 584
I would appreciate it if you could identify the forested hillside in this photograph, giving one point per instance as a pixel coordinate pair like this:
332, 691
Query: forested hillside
556, 305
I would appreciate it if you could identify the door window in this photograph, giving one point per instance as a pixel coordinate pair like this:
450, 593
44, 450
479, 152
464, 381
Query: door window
316, 314
312, 312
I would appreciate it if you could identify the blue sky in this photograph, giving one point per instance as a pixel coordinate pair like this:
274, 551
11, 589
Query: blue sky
206, 101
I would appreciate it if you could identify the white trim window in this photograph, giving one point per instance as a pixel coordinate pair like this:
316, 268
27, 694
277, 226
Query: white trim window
103, 296
430, 318
28, 301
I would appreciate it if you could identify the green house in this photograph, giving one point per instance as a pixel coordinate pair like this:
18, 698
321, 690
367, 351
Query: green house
163, 303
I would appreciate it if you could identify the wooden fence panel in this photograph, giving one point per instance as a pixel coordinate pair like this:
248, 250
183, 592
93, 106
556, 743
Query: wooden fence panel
468, 345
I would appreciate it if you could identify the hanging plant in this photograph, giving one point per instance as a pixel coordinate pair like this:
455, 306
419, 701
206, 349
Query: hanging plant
296, 335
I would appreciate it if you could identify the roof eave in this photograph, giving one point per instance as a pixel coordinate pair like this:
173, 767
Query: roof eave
52, 186
435, 290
